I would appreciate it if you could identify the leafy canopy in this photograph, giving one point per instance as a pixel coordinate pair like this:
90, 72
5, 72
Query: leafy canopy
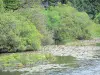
67, 23
16, 32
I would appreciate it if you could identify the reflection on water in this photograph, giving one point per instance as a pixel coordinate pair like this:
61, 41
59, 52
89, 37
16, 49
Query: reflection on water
64, 59
97, 44
9, 73
72, 66
68, 60
96, 54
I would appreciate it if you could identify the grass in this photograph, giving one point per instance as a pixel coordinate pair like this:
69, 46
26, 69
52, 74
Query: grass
19, 60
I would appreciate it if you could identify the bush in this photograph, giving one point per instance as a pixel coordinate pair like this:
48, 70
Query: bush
67, 23
17, 33
37, 17
95, 30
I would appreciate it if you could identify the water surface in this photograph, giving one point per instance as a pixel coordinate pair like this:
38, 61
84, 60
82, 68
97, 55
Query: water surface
63, 65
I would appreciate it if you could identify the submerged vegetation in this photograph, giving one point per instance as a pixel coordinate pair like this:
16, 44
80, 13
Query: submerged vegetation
19, 60
22, 60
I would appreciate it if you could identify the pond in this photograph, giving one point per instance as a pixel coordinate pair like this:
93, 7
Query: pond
62, 65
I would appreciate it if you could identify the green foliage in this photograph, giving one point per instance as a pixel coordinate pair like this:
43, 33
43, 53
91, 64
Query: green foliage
22, 29
12, 4
95, 30
97, 19
50, 57
16, 32
67, 23
54, 2
20, 60
36, 16
92, 7
1, 6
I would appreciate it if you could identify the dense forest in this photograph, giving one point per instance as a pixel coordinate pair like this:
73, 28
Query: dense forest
30, 24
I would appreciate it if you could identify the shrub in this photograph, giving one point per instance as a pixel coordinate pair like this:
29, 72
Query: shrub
37, 17
95, 30
67, 23
17, 33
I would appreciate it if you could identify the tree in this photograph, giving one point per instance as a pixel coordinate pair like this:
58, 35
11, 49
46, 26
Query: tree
53, 2
12, 4
18, 33
67, 23
91, 7
36, 15
97, 18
